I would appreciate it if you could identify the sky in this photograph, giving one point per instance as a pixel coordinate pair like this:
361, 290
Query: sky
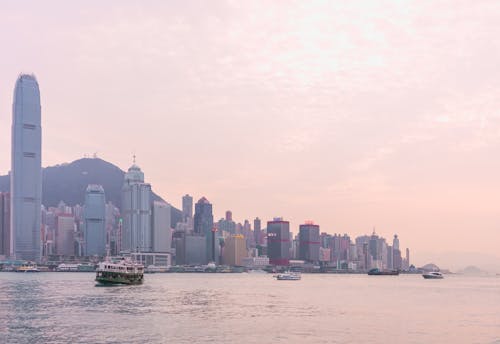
353, 114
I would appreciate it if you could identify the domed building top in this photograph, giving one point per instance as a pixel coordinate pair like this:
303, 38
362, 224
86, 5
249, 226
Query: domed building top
134, 174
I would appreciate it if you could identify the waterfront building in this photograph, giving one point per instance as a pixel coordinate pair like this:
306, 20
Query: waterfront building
26, 170
187, 207
235, 249
278, 241
190, 249
147, 259
5, 238
160, 222
136, 211
309, 242
255, 262
64, 235
95, 221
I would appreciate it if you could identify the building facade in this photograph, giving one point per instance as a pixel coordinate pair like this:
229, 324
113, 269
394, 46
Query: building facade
26, 169
161, 232
278, 242
187, 207
5, 237
235, 249
65, 235
309, 242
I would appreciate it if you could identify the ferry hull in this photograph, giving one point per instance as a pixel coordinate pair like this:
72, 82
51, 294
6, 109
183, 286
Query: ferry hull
119, 279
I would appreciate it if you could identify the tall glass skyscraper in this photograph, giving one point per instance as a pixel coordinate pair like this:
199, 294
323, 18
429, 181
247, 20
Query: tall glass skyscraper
136, 209
26, 169
94, 214
204, 226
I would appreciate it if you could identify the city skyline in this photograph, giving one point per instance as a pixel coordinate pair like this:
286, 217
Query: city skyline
365, 136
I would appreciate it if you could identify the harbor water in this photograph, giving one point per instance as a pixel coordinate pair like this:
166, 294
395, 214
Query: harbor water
249, 308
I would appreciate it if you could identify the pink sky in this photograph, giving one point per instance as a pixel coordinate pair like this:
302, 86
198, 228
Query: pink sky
351, 113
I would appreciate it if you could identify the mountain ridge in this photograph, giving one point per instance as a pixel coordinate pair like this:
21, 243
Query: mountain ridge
67, 182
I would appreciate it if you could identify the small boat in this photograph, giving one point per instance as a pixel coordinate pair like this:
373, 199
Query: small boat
378, 272
29, 267
432, 275
123, 271
288, 276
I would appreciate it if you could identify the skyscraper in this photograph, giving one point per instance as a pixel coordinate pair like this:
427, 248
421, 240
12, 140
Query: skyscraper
309, 242
204, 225
26, 169
65, 234
278, 241
257, 231
203, 217
187, 207
162, 234
95, 221
395, 242
235, 249
136, 204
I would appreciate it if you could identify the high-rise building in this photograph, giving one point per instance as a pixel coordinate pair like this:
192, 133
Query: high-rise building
65, 235
187, 207
257, 231
227, 224
278, 241
189, 249
26, 169
395, 242
161, 232
235, 249
5, 238
204, 225
203, 217
309, 242
136, 210
95, 221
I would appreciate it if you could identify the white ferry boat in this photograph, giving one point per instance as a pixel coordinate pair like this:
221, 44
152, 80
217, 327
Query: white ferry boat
288, 276
28, 267
433, 275
123, 271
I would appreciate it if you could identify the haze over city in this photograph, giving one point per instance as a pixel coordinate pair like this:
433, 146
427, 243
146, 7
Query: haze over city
353, 115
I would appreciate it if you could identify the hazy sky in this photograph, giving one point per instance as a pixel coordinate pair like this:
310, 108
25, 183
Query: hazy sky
353, 114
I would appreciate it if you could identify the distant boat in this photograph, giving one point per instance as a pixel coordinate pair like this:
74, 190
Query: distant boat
433, 275
378, 272
257, 271
28, 267
288, 276
124, 271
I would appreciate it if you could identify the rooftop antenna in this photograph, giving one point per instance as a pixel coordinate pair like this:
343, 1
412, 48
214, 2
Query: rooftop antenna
134, 158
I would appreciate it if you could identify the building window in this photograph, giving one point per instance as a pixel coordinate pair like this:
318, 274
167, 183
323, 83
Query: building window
29, 126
